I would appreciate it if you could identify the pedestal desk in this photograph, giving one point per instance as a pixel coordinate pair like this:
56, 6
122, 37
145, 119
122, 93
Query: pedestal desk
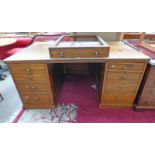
37, 76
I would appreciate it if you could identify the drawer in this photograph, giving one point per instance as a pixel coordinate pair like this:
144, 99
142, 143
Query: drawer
126, 66
30, 77
28, 68
114, 75
75, 53
118, 99
37, 100
121, 86
33, 87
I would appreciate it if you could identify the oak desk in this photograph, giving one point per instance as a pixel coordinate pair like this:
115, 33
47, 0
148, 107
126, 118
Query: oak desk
36, 74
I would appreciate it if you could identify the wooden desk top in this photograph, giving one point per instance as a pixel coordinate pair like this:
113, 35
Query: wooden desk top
7, 41
39, 52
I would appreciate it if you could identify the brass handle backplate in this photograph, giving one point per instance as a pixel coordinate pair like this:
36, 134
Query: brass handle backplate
112, 66
62, 54
28, 70
96, 53
29, 77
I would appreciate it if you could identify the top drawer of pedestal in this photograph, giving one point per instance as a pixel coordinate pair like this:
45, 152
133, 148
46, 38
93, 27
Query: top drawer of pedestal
29, 68
126, 66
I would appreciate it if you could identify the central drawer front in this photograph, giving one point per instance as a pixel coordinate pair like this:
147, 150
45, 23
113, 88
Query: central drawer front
83, 53
37, 100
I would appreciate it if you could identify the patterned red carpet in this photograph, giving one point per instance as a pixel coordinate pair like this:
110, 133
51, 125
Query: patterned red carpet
78, 103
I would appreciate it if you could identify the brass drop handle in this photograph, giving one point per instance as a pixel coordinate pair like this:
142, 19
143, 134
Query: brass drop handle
33, 87
36, 98
96, 53
62, 54
26, 97
117, 98
30, 77
125, 67
122, 76
113, 66
120, 87
28, 70
26, 86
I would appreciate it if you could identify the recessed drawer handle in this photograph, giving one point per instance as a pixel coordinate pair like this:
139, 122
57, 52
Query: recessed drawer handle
62, 54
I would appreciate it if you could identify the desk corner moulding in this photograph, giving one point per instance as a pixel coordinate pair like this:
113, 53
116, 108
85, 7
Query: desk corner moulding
39, 69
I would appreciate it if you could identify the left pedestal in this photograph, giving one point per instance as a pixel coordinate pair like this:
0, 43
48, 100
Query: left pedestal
34, 84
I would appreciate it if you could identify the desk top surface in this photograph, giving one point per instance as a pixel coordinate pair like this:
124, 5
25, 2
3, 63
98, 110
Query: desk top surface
39, 52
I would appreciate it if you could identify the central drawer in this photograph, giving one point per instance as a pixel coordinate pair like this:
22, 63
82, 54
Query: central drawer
82, 53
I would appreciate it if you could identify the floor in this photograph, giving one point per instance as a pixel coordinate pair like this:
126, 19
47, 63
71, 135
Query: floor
11, 105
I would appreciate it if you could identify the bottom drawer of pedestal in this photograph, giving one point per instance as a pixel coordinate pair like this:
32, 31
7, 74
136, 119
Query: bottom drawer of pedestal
37, 101
117, 99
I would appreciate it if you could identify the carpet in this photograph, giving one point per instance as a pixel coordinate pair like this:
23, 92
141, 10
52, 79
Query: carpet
77, 103
135, 44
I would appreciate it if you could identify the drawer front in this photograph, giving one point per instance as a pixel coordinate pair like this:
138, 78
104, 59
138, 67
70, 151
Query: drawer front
126, 66
37, 100
123, 76
33, 87
30, 77
120, 86
74, 53
118, 99
28, 68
